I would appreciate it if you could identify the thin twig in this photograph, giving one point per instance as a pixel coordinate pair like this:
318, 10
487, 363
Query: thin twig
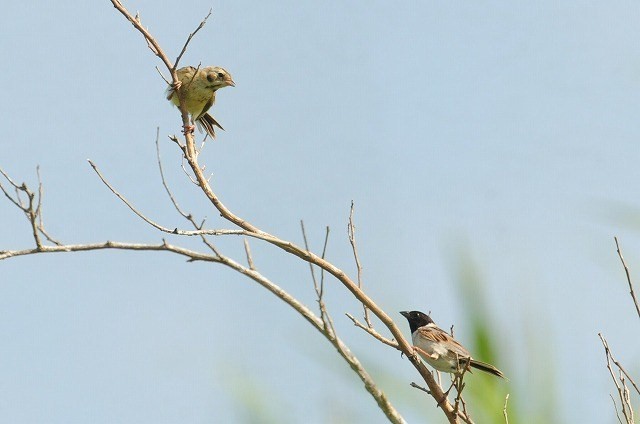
372, 332
313, 273
33, 217
184, 168
135, 21
619, 365
163, 179
626, 270
184, 48
329, 329
162, 76
126, 202
247, 250
39, 210
10, 180
504, 410
466, 417
623, 392
351, 231
615, 407
189, 217
7, 195
416, 386
324, 252
459, 384
31, 208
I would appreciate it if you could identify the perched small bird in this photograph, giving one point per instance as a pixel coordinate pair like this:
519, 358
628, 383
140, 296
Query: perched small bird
439, 349
199, 87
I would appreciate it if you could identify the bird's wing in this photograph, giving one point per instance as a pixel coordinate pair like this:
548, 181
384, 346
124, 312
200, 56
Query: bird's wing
207, 106
433, 334
185, 75
438, 335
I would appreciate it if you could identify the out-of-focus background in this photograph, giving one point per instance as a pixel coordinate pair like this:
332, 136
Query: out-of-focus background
491, 150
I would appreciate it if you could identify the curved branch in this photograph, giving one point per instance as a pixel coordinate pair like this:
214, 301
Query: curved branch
379, 396
192, 255
191, 156
628, 274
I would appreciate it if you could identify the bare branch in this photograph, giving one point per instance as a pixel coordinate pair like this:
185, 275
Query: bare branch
190, 254
318, 287
621, 387
39, 211
626, 270
324, 252
13, 183
184, 169
615, 407
33, 217
135, 21
164, 181
328, 331
617, 364
184, 48
351, 231
373, 332
249, 257
189, 217
416, 386
126, 202
32, 208
162, 76
16, 201
313, 273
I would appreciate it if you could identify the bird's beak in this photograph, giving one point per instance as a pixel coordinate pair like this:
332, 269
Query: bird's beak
231, 83
405, 314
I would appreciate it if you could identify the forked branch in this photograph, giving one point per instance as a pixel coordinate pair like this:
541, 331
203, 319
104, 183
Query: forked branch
304, 254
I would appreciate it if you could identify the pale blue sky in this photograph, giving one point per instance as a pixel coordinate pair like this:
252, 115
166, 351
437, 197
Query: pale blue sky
507, 131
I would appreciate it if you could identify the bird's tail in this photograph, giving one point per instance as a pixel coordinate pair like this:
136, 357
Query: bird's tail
483, 366
207, 122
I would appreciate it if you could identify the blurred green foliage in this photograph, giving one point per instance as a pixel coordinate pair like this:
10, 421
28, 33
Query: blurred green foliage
534, 401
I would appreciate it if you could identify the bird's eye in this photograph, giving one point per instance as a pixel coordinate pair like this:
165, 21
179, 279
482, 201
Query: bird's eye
220, 75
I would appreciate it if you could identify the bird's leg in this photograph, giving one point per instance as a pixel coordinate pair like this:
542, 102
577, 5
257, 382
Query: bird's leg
174, 89
425, 354
433, 356
190, 129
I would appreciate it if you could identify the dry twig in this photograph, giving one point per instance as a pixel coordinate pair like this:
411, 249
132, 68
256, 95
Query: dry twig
351, 231
620, 382
626, 271
504, 410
